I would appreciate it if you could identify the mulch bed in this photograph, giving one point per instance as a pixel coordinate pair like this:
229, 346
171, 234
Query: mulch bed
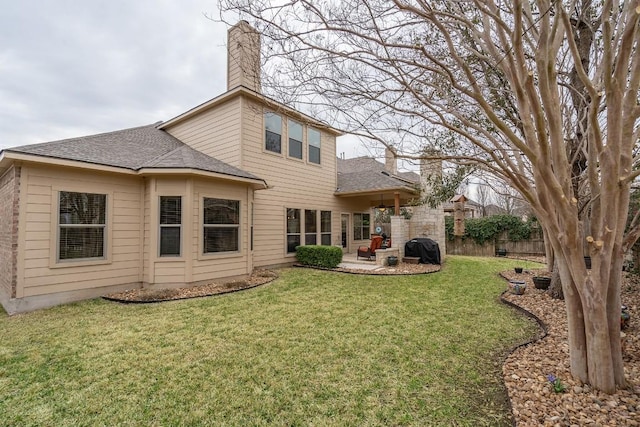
257, 278
525, 371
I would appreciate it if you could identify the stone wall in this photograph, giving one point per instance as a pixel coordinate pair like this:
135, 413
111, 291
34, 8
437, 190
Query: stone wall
9, 209
401, 234
427, 221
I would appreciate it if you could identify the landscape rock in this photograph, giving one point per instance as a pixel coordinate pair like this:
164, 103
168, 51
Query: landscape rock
579, 405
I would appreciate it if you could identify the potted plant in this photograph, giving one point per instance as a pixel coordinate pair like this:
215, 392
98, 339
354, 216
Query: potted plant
624, 317
541, 282
517, 286
518, 270
392, 261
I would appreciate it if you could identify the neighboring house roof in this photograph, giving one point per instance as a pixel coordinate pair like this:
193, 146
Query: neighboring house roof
136, 149
363, 164
494, 210
469, 204
365, 174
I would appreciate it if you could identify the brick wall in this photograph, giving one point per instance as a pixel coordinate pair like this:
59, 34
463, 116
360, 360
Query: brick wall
9, 208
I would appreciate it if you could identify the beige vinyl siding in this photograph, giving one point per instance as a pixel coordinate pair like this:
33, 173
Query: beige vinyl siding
166, 270
192, 266
123, 263
222, 264
146, 239
293, 184
215, 132
234, 132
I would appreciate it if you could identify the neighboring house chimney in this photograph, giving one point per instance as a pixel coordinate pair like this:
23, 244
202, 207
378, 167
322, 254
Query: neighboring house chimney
243, 57
390, 161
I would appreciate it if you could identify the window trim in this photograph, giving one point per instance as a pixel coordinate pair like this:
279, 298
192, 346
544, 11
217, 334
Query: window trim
362, 227
326, 233
54, 230
314, 234
203, 226
309, 145
303, 229
301, 141
178, 226
264, 134
300, 233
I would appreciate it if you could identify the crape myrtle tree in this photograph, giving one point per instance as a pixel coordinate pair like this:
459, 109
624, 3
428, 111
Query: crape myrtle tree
487, 84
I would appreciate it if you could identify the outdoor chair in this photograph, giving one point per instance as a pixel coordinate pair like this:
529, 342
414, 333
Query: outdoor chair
370, 252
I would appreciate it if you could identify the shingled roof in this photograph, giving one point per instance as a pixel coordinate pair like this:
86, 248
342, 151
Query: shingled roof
144, 147
362, 174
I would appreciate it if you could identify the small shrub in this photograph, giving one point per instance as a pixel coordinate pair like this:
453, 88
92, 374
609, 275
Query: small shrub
319, 256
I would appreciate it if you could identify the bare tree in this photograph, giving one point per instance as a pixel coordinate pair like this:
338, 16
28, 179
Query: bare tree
507, 197
483, 196
487, 83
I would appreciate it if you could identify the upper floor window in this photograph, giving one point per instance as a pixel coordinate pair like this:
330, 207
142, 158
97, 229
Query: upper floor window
273, 132
313, 136
170, 225
82, 225
221, 224
295, 139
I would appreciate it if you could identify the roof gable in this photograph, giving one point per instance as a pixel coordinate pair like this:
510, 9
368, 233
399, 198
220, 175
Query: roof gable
134, 149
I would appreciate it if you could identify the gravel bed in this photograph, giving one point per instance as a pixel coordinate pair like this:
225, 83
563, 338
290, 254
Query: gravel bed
534, 403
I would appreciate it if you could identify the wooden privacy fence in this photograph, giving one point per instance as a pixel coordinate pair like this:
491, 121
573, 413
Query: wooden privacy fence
532, 246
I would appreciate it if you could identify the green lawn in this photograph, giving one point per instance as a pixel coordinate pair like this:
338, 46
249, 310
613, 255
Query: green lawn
311, 348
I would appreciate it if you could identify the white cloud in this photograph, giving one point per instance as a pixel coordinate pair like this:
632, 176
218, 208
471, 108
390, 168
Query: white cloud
70, 68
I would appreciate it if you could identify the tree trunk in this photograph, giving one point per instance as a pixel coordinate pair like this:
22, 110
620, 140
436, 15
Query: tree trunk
593, 324
575, 324
555, 288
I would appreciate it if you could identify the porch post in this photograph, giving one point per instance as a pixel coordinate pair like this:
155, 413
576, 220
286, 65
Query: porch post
399, 233
396, 202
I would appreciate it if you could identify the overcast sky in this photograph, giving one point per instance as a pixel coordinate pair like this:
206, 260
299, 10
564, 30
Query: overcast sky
71, 68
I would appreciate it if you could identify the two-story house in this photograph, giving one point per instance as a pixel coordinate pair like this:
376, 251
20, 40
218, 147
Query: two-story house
233, 184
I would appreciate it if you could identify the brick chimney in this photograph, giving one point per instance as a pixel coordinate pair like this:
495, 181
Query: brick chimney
243, 57
390, 161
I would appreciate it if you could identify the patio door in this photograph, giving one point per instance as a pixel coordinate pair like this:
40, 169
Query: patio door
344, 227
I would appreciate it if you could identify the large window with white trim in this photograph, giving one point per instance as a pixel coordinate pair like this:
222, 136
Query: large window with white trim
310, 227
313, 135
293, 229
295, 139
221, 225
361, 224
170, 225
325, 228
82, 225
307, 227
273, 132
